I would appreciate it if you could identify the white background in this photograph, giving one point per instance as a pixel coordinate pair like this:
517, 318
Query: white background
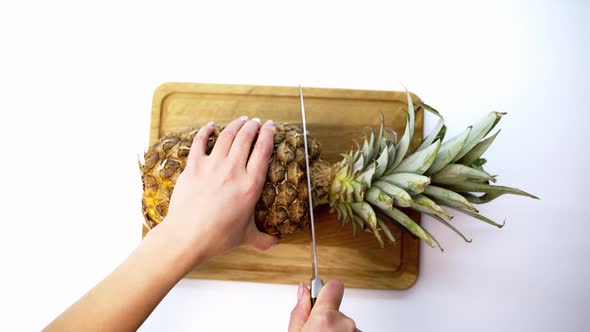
76, 82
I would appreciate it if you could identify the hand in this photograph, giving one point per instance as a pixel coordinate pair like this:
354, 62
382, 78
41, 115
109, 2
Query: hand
211, 211
213, 202
325, 315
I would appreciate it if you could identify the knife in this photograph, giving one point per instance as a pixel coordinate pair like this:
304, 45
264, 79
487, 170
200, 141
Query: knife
316, 283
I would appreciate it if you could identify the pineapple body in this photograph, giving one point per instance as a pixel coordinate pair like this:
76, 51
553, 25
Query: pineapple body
282, 208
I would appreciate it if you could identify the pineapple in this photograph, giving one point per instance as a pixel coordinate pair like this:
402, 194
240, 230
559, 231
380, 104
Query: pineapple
370, 186
282, 208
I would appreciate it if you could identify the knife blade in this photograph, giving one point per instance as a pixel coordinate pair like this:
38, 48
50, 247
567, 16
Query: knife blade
316, 283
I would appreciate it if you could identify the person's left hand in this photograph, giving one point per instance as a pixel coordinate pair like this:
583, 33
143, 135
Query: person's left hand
213, 202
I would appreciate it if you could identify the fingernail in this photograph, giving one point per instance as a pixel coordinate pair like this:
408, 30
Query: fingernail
256, 119
244, 118
300, 291
211, 124
268, 123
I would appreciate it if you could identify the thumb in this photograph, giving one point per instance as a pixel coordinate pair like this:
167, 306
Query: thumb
331, 295
301, 311
259, 240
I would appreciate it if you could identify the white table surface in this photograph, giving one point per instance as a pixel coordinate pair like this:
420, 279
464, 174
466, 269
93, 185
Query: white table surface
76, 82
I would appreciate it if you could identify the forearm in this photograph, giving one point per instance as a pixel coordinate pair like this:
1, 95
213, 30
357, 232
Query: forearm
123, 300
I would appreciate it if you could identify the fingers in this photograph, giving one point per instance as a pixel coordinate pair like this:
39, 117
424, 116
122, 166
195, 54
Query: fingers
242, 145
199, 145
300, 313
258, 162
259, 240
330, 296
226, 138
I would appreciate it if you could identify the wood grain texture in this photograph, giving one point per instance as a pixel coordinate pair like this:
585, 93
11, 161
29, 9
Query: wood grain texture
336, 117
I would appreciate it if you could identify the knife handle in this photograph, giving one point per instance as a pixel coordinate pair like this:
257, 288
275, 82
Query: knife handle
316, 285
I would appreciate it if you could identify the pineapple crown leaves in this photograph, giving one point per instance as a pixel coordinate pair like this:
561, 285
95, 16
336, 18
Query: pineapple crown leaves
373, 184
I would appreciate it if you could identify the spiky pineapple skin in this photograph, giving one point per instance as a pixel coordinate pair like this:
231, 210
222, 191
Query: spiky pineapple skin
282, 208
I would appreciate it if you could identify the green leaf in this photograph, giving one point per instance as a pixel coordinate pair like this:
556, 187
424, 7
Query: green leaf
335, 189
386, 230
357, 153
359, 222
381, 164
393, 134
341, 211
400, 196
342, 170
378, 198
358, 166
366, 176
358, 190
478, 150
419, 162
466, 186
380, 139
402, 147
411, 183
435, 241
482, 218
368, 150
391, 150
366, 212
428, 206
449, 150
478, 163
409, 224
457, 173
449, 225
479, 131
375, 232
412, 113
348, 191
486, 198
448, 198
435, 131
348, 211
441, 134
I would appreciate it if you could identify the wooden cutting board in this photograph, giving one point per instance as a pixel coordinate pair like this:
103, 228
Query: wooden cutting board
336, 117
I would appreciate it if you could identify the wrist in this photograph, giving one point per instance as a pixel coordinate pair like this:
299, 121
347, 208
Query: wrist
174, 248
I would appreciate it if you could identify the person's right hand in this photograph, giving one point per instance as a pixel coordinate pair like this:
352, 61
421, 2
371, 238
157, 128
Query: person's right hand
325, 315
